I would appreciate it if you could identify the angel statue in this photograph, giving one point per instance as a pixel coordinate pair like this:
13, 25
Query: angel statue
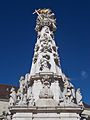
79, 97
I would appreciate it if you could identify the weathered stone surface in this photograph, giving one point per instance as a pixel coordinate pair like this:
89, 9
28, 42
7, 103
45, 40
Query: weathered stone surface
22, 116
3, 106
46, 93
46, 103
46, 113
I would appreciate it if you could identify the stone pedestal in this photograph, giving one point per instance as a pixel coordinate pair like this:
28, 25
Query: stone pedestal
46, 116
22, 116
69, 116
46, 113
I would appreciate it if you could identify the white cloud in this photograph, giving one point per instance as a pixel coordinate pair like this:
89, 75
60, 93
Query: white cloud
84, 74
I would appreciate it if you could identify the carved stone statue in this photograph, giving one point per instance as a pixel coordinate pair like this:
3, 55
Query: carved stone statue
21, 91
13, 97
29, 92
45, 64
24, 99
46, 91
45, 18
68, 93
26, 79
22, 84
31, 101
79, 97
18, 95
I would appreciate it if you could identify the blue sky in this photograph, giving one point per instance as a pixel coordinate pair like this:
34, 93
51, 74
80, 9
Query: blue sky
17, 39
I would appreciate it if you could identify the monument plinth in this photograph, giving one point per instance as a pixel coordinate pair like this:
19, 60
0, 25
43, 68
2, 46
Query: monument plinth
45, 93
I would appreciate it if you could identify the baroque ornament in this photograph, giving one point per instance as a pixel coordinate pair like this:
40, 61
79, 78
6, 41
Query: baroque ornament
46, 81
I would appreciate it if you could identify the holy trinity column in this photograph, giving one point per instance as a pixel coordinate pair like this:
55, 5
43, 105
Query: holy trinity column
45, 80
